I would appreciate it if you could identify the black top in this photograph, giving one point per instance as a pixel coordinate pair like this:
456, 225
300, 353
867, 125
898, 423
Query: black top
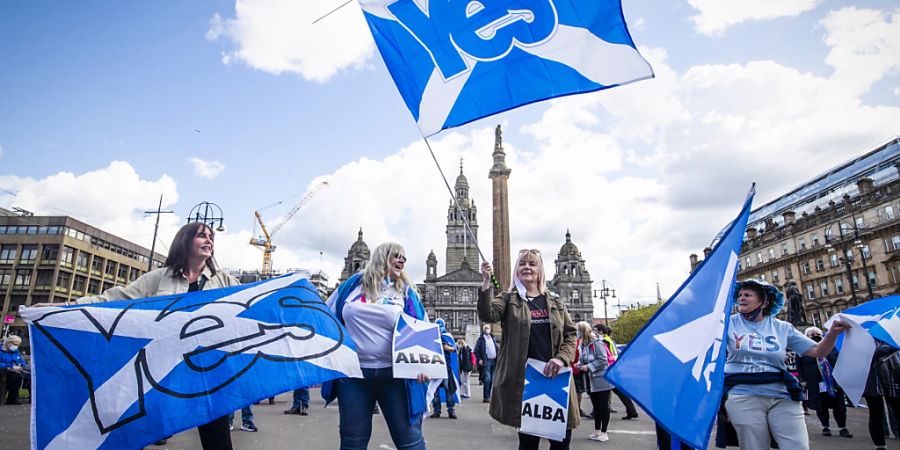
539, 343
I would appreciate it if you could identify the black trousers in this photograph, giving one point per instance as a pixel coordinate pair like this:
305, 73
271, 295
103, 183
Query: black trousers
215, 435
600, 401
12, 385
529, 442
876, 416
629, 405
836, 403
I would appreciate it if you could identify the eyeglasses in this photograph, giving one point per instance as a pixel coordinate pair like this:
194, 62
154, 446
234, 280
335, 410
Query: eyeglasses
533, 251
400, 258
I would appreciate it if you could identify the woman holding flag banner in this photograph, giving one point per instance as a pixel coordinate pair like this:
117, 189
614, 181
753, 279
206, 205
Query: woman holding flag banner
535, 325
369, 304
761, 396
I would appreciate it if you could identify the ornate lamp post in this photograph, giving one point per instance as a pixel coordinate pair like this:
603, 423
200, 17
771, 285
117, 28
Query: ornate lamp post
208, 213
603, 293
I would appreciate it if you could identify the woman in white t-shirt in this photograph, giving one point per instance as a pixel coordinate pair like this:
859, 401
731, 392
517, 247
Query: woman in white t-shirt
369, 304
762, 396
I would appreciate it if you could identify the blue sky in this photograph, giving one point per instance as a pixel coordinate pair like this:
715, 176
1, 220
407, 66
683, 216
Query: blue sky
99, 103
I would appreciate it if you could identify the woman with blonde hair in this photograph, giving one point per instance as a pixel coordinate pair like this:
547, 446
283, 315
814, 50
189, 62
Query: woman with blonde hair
535, 325
369, 304
594, 360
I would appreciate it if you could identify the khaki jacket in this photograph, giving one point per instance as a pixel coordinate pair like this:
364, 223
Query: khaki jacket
509, 375
160, 282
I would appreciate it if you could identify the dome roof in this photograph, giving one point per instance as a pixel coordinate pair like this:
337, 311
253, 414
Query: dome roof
569, 249
431, 256
359, 246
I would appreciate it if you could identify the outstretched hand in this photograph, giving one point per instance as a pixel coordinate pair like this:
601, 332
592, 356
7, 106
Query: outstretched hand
839, 326
486, 272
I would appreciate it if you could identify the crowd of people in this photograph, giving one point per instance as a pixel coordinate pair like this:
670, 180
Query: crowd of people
774, 372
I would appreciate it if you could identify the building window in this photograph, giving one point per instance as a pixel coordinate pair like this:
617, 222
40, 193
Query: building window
771, 254
784, 249
774, 276
839, 286
802, 244
5, 277
136, 273
788, 273
62, 279
823, 287
805, 267
747, 260
97, 264
93, 287
110, 268
759, 257
860, 223
51, 252
29, 253
815, 240
8, 254
866, 253
576, 296
820, 266
762, 276
81, 261
68, 253
123, 271
854, 282
833, 260
850, 255
79, 283
23, 279
889, 212
873, 281
810, 291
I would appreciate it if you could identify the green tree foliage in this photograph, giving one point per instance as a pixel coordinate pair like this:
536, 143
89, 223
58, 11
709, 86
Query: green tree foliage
631, 321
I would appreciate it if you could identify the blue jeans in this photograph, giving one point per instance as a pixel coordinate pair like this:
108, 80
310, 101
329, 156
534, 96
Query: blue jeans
356, 402
436, 402
301, 397
488, 377
246, 416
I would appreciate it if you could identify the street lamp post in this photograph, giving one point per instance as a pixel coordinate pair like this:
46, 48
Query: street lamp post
208, 213
846, 260
604, 293
858, 243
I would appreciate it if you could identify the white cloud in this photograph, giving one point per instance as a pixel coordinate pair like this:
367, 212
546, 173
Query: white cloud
278, 36
206, 169
865, 46
715, 16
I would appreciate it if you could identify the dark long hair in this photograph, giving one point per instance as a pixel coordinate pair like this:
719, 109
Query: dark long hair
181, 248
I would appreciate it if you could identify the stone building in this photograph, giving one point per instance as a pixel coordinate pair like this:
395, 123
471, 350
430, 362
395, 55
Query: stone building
454, 295
356, 259
573, 282
836, 237
59, 258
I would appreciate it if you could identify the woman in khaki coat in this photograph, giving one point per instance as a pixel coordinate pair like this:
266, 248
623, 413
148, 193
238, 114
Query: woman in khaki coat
535, 325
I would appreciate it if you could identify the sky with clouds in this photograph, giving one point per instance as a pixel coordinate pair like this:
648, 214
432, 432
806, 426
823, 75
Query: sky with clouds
105, 107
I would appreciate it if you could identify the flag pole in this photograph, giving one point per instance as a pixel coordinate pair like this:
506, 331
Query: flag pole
459, 210
332, 11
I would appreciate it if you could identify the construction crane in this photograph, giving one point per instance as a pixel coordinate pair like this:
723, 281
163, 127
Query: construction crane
264, 242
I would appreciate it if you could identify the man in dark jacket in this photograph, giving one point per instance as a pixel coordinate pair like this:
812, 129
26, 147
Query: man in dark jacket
465, 367
486, 351
823, 391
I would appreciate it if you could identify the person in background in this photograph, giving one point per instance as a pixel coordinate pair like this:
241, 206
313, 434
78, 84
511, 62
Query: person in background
882, 386
486, 351
246, 420
582, 379
12, 370
369, 304
466, 364
822, 389
605, 333
446, 387
594, 359
537, 325
301, 402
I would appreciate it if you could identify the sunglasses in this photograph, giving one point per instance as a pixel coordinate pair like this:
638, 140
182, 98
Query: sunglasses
533, 251
401, 258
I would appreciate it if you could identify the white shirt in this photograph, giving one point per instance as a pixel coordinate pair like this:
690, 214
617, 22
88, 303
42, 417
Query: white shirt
490, 350
371, 325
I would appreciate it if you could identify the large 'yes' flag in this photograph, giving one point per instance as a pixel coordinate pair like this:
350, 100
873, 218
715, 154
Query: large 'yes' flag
121, 375
674, 367
455, 61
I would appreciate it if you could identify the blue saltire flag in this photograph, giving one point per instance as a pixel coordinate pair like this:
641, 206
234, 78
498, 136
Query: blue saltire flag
455, 61
880, 317
674, 367
123, 374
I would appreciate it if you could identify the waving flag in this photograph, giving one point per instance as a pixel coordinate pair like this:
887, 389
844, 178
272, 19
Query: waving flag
455, 61
127, 373
682, 344
881, 317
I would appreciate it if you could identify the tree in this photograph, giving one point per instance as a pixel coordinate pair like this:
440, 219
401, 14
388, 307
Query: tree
630, 322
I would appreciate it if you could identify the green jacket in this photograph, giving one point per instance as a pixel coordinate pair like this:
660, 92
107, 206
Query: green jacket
512, 312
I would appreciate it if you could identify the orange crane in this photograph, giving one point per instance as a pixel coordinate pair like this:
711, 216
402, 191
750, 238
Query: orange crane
264, 242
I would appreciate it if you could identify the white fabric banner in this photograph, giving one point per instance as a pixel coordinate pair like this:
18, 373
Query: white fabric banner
417, 349
854, 361
545, 402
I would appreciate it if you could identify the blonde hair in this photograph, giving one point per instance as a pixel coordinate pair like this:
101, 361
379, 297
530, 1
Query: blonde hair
584, 329
531, 256
377, 269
